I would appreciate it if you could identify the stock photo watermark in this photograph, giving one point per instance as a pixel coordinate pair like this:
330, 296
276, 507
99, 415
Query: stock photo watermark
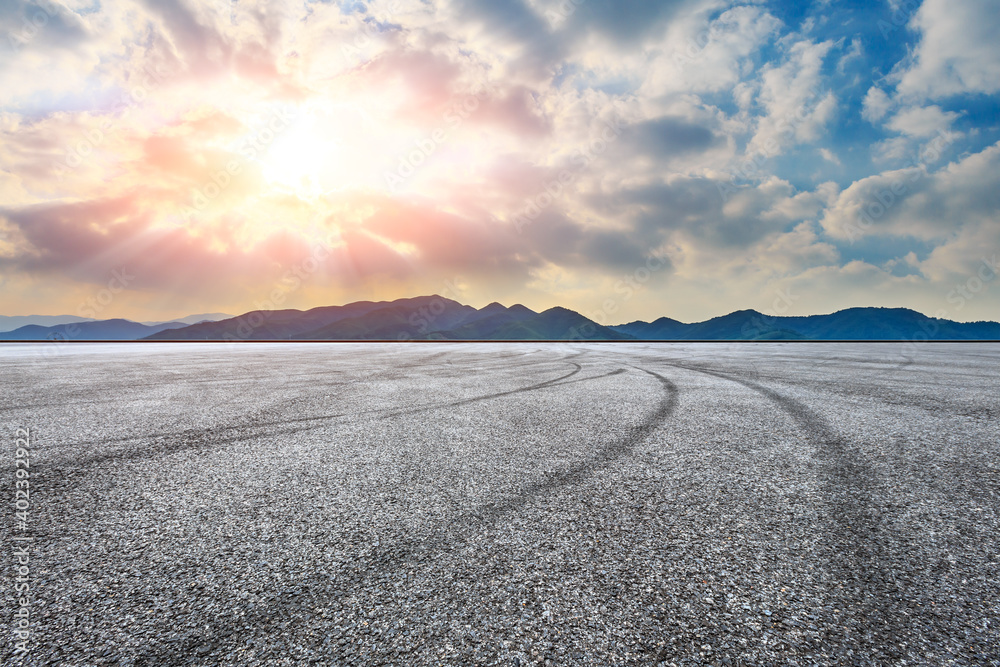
290, 282
22, 626
249, 149
751, 167
984, 274
558, 14
81, 149
368, 29
91, 309
765, 322
553, 189
424, 147
961, 294
627, 287
31, 26
900, 14
884, 199
425, 316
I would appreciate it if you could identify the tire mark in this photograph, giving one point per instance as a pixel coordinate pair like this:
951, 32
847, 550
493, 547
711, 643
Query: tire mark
222, 634
855, 554
204, 439
427, 406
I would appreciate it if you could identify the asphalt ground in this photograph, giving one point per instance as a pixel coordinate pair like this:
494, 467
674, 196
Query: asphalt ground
508, 504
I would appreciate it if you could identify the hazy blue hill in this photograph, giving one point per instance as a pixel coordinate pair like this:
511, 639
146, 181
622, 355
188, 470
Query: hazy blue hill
848, 324
738, 325
255, 325
557, 324
663, 328
981, 330
11, 322
885, 324
115, 329
194, 319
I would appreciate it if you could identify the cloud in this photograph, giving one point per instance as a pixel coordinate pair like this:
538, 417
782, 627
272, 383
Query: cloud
875, 105
913, 203
922, 121
667, 136
829, 156
711, 132
626, 22
796, 105
958, 50
705, 56
41, 25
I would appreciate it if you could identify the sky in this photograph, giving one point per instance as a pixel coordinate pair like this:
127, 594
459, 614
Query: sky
628, 159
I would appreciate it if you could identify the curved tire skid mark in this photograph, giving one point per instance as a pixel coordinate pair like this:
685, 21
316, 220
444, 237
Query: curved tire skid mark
222, 633
856, 555
209, 439
194, 433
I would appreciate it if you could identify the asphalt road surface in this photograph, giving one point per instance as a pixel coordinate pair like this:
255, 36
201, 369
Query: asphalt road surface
510, 504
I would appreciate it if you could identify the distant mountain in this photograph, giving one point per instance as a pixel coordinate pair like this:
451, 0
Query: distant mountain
404, 319
488, 321
419, 318
94, 330
11, 322
557, 324
290, 324
849, 324
438, 318
195, 319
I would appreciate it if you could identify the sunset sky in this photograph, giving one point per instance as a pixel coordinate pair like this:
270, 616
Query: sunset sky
627, 159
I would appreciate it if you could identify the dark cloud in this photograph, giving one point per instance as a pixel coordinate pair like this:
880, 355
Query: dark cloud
205, 51
615, 249
40, 25
562, 241
667, 136
202, 45
515, 22
695, 206
623, 21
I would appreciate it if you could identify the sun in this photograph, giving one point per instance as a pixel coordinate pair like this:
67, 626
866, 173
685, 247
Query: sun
324, 149
298, 158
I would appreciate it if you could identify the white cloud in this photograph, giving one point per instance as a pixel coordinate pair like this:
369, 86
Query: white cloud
876, 104
922, 121
708, 57
913, 203
958, 52
856, 52
894, 148
829, 156
797, 107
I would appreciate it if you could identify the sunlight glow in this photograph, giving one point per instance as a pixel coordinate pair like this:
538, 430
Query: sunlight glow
299, 159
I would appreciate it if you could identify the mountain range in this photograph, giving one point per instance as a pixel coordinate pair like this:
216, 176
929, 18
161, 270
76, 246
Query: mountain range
68, 327
418, 318
438, 318
12, 322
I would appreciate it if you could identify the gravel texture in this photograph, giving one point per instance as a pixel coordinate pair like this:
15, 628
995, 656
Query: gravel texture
509, 504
